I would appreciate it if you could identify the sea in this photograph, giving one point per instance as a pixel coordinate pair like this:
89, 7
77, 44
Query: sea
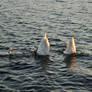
22, 26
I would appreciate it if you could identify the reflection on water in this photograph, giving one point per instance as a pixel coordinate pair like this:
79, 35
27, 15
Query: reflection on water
70, 62
44, 63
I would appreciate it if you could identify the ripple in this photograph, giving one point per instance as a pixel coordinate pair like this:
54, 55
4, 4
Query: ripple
4, 88
21, 26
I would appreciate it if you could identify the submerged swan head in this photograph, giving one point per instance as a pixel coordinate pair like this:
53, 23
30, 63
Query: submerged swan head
44, 46
70, 48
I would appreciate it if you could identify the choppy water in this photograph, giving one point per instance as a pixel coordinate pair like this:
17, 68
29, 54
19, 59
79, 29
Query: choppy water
22, 23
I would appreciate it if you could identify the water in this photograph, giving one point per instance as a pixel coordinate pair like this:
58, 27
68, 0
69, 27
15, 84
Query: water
22, 23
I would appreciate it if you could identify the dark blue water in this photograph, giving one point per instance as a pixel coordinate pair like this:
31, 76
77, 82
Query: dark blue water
22, 23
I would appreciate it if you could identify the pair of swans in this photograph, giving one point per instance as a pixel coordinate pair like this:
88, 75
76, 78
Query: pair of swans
44, 47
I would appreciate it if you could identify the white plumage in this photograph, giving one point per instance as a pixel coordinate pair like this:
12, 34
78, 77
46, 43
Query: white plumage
44, 46
71, 48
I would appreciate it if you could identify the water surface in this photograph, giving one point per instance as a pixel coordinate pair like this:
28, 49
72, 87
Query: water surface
22, 23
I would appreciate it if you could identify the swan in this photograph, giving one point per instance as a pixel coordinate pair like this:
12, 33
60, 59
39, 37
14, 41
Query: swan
44, 46
70, 47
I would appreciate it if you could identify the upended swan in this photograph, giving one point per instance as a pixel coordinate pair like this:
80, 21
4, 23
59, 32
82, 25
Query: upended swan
70, 48
44, 46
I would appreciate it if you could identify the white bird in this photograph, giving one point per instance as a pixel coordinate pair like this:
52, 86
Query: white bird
70, 48
44, 46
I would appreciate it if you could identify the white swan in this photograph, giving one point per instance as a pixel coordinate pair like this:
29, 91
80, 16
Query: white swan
70, 48
44, 46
